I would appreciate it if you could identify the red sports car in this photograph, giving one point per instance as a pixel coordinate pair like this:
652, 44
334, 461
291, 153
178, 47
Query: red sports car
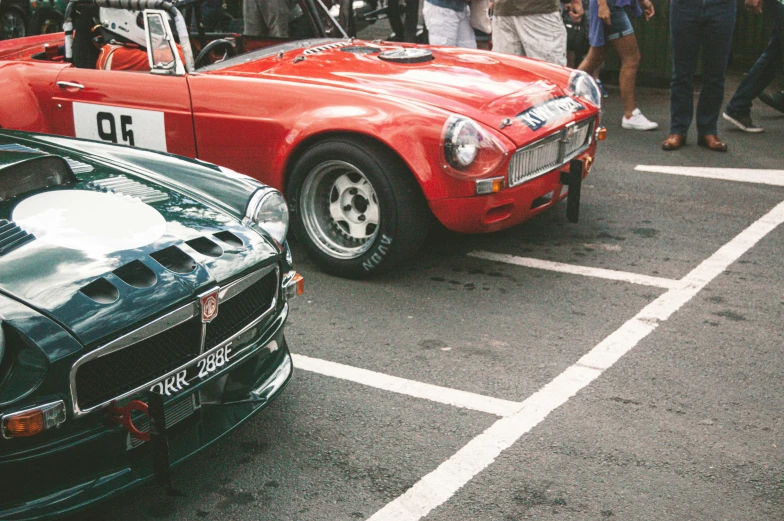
368, 139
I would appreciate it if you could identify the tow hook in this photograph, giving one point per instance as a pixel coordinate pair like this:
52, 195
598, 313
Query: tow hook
156, 436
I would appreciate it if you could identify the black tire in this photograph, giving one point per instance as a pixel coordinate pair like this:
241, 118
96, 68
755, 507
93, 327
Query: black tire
321, 182
46, 21
12, 23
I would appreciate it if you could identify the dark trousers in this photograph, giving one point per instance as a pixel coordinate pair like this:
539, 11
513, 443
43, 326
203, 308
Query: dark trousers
762, 73
696, 25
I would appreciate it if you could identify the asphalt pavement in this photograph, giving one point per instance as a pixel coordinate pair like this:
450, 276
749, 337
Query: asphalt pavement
458, 388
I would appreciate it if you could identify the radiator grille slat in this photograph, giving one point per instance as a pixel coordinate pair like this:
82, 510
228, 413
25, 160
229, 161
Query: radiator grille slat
552, 152
235, 314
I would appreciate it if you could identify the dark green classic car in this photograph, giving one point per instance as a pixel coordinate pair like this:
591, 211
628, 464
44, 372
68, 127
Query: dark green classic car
142, 304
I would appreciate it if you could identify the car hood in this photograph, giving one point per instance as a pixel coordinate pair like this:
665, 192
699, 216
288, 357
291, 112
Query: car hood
473, 83
101, 263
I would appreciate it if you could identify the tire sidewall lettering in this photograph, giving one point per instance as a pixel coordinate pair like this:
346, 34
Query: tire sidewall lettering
377, 254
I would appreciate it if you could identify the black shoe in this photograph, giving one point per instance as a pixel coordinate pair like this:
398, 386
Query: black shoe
774, 100
744, 123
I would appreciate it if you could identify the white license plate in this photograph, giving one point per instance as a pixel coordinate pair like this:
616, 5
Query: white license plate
194, 373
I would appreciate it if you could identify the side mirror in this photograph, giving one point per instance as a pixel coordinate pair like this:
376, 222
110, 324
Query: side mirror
161, 48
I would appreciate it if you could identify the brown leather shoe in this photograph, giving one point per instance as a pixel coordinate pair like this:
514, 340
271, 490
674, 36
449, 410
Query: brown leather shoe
712, 142
674, 142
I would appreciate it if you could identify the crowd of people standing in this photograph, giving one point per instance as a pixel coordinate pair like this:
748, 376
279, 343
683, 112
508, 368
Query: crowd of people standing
701, 32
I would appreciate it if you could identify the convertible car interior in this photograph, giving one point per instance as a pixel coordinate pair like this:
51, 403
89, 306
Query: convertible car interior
213, 48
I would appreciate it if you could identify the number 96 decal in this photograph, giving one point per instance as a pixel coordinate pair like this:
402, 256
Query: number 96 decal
120, 125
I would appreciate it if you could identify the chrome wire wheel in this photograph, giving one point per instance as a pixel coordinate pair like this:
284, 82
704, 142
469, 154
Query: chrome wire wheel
340, 209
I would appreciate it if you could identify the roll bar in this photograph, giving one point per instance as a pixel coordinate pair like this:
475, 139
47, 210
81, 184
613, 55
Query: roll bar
135, 5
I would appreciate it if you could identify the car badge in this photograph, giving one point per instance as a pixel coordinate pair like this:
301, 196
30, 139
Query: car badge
209, 306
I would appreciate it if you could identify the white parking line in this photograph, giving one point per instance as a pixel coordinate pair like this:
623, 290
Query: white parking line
434, 393
574, 269
743, 175
442, 483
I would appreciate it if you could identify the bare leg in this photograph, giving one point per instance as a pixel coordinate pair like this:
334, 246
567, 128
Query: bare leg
626, 47
593, 59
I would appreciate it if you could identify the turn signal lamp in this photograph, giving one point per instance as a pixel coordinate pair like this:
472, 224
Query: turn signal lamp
601, 134
33, 421
492, 185
295, 286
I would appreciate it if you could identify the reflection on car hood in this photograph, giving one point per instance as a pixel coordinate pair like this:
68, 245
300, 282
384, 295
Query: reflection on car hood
462, 80
103, 262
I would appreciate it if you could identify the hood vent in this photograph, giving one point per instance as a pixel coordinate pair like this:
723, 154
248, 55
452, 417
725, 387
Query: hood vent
174, 259
205, 246
136, 274
229, 238
76, 166
12, 236
322, 48
101, 291
121, 185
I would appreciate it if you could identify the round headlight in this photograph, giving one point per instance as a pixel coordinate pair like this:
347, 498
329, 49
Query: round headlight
461, 144
585, 87
269, 211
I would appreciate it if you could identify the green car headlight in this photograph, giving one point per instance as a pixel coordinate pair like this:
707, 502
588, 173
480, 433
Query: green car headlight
268, 210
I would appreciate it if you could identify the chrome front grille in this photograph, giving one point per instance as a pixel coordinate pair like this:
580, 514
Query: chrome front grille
155, 351
549, 153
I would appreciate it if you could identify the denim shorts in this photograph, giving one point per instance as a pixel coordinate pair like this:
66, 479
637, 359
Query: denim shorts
620, 25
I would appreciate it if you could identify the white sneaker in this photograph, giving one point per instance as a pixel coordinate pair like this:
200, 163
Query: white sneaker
638, 122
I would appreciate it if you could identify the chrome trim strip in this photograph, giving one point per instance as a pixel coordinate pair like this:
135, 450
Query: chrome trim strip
169, 321
240, 285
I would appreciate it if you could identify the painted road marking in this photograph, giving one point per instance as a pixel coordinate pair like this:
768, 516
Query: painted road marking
434, 393
574, 269
441, 484
743, 175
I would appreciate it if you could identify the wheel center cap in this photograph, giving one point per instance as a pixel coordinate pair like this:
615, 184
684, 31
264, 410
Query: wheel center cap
360, 203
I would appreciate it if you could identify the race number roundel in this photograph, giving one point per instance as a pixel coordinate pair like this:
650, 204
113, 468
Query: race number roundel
209, 307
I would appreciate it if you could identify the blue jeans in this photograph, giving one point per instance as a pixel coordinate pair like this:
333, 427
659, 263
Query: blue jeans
695, 25
762, 73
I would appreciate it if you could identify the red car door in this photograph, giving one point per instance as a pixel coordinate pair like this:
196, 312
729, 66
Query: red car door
124, 107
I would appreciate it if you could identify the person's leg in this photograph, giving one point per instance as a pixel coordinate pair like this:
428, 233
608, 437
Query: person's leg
593, 59
629, 53
276, 17
465, 33
760, 75
252, 20
685, 38
543, 36
505, 37
442, 24
719, 23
